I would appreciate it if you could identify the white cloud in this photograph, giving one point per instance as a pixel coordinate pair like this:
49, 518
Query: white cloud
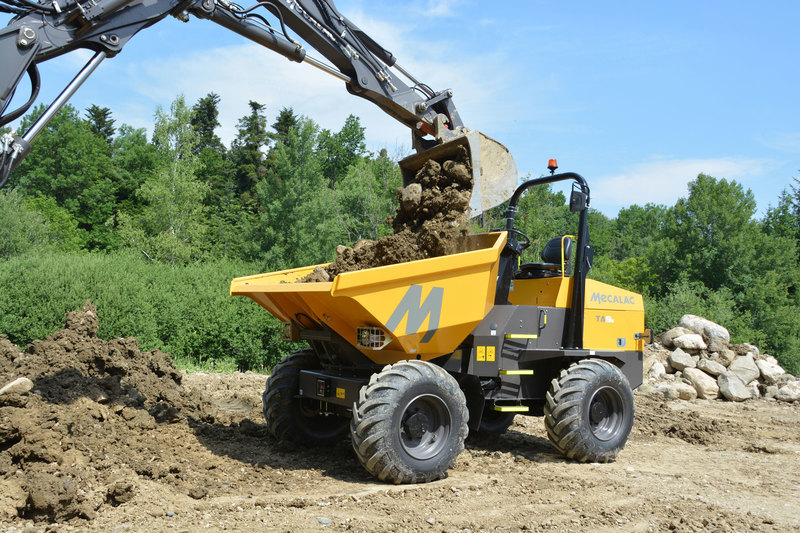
663, 181
788, 142
246, 72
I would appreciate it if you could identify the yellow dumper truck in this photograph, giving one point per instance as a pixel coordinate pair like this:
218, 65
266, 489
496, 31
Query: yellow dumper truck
412, 356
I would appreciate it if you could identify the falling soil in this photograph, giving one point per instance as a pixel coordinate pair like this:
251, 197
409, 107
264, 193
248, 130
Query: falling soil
432, 212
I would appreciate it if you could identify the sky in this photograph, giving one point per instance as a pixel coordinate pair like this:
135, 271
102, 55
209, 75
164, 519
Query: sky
638, 97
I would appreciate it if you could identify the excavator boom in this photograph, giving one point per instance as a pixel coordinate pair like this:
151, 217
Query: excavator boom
41, 31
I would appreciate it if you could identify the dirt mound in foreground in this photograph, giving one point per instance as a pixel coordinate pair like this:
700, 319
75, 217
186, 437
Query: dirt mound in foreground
90, 403
431, 214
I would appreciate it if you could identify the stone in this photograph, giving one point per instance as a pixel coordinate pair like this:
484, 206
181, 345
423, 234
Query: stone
732, 387
771, 360
666, 390
769, 371
708, 329
755, 390
667, 338
745, 367
717, 345
18, 386
12, 500
753, 349
685, 391
726, 356
690, 341
680, 360
706, 386
789, 392
324, 521
710, 367
656, 371
771, 391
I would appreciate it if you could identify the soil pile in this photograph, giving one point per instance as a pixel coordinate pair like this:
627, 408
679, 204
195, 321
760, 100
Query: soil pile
431, 214
77, 412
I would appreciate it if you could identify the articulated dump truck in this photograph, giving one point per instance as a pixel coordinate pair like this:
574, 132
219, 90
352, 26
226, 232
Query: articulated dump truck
411, 357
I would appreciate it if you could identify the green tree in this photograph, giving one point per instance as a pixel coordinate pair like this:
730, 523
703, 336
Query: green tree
170, 226
784, 219
134, 161
297, 216
72, 165
342, 149
365, 196
284, 123
21, 229
62, 228
101, 123
248, 152
205, 121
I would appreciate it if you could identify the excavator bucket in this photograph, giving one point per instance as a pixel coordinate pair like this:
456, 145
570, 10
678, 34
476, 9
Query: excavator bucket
494, 171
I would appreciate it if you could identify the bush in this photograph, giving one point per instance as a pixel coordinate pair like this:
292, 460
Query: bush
185, 311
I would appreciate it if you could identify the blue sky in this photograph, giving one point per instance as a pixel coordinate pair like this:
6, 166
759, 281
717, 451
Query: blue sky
639, 97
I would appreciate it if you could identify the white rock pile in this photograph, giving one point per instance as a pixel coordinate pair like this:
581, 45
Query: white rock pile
697, 360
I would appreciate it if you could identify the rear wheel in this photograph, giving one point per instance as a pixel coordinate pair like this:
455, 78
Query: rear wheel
589, 411
294, 419
409, 423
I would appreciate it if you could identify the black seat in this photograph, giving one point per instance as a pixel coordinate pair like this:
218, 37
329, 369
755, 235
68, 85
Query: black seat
551, 265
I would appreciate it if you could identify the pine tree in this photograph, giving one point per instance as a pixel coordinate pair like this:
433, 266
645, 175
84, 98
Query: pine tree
101, 123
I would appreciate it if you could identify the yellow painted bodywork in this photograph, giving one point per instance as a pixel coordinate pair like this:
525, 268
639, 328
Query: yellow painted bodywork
467, 282
612, 316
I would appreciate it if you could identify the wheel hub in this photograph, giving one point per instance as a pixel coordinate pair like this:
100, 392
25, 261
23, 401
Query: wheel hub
424, 426
606, 413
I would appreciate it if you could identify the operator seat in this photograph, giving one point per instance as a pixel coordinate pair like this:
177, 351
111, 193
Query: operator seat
551, 265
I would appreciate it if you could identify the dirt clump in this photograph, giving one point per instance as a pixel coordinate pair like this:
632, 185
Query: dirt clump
90, 403
432, 211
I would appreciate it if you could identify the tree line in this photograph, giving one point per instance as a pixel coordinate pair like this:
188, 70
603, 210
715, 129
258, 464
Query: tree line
286, 193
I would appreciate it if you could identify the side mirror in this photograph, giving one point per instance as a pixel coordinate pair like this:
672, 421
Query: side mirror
577, 201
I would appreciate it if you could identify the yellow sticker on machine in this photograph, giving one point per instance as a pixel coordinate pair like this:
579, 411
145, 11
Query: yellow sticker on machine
490, 353
480, 353
340, 393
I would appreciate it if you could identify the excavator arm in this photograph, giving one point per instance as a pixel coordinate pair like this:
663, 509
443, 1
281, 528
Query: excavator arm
41, 31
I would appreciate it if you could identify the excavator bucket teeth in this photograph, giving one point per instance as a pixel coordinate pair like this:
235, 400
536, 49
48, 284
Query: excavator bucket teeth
494, 171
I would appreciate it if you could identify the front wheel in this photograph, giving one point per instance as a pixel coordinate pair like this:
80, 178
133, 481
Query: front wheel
292, 418
409, 423
589, 411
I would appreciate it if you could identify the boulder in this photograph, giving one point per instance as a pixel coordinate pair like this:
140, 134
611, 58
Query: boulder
710, 367
717, 345
771, 391
18, 386
750, 348
706, 386
690, 341
789, 392
656, 371
745, 367
708, 329
726, 356
770, 359
769, 371
733, 388
679, 360
685, 391
666, 390
755, 390
667, 338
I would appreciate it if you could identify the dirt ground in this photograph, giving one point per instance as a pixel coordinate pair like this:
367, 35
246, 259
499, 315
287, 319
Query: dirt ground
113, 439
